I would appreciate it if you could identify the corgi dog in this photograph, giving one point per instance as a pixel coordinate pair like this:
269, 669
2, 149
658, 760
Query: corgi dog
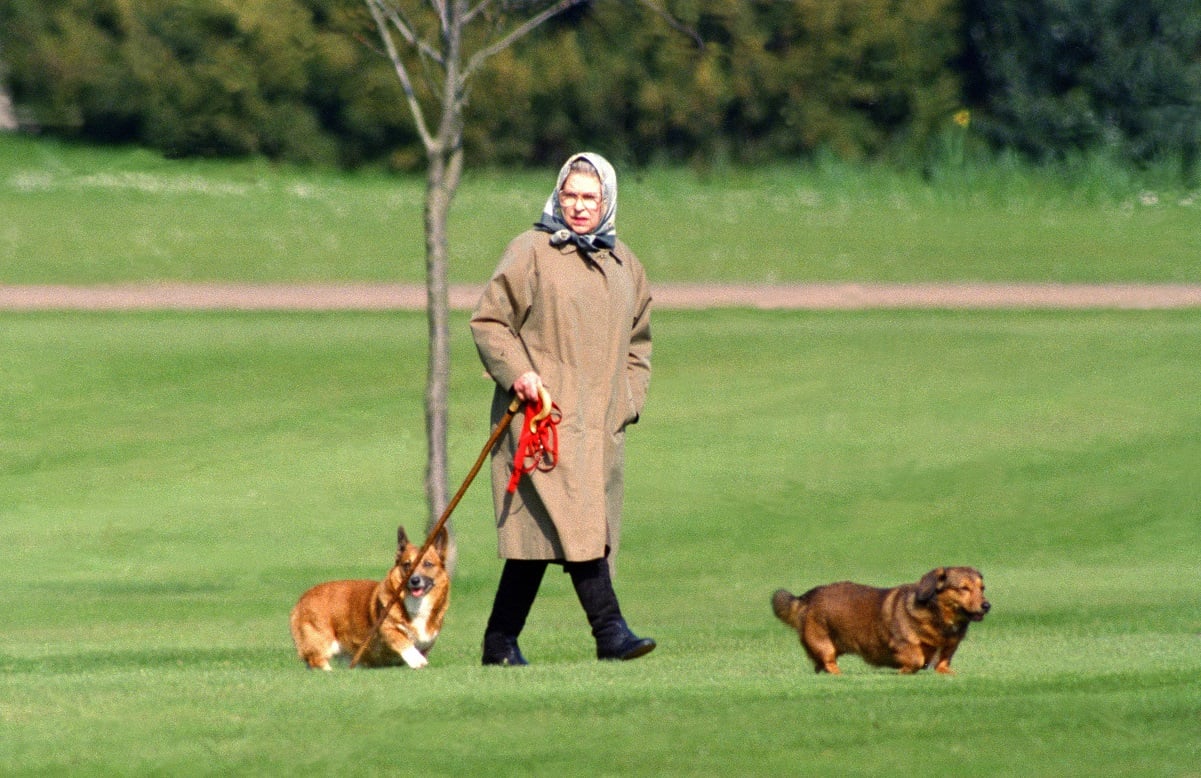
336, 618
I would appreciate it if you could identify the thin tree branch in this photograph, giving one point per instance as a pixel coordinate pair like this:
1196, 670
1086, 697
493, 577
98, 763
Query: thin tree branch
531, 24
406, 30
474, 12
674, 23
381, 21
450, 130
440, 9
430, 54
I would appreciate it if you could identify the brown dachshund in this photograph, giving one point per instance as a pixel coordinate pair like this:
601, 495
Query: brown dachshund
908, 627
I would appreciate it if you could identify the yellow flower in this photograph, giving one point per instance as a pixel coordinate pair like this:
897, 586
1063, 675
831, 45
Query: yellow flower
962, 117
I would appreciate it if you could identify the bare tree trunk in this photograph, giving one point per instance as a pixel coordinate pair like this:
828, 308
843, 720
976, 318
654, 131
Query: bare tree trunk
8, 118
444, 172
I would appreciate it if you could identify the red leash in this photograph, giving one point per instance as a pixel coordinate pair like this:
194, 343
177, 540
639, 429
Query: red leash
538, 446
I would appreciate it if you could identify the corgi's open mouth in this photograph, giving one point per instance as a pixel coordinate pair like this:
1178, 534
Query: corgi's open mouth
419, 586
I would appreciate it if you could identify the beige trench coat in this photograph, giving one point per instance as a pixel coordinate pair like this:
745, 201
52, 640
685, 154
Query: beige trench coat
583, 324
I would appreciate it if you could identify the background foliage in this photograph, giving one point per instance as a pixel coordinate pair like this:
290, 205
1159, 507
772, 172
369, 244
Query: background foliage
302, 80
280, 78
1064, 76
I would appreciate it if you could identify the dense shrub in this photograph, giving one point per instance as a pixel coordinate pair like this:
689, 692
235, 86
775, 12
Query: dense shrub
279, 78
749, 81
299, 79
737, 80
1059, 77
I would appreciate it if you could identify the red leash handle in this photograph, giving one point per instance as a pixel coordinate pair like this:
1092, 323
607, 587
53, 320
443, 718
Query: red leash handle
538, 445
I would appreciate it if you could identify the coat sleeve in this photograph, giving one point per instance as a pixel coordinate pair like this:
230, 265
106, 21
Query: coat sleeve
503, 307
638, 362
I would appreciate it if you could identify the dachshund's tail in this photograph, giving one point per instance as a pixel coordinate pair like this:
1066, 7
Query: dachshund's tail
788, 609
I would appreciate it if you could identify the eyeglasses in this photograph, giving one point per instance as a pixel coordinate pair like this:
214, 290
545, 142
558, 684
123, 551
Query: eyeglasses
587, 201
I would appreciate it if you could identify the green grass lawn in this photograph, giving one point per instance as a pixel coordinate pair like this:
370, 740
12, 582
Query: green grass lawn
89, 216
170, 483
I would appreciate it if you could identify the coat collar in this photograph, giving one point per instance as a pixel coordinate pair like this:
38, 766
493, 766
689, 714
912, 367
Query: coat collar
597, 257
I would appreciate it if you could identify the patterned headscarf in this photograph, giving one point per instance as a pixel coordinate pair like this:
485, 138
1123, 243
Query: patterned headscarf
605, 235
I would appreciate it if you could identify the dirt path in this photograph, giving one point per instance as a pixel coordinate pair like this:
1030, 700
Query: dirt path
832, 296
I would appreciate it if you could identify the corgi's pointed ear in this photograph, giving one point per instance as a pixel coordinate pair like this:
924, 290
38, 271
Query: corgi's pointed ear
442, 541
402, 538
931, 584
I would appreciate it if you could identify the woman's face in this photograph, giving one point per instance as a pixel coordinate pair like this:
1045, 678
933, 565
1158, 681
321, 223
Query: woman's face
581, 202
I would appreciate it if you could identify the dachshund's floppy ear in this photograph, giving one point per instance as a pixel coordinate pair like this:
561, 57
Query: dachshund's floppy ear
931, 584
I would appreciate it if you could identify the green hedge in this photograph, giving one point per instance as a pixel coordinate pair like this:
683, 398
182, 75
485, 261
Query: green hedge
278, 78
1061, 77
304, 80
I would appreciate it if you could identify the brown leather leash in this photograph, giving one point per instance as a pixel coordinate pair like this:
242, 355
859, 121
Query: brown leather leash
499, 430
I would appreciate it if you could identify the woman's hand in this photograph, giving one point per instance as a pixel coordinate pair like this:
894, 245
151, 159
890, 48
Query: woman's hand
526, 386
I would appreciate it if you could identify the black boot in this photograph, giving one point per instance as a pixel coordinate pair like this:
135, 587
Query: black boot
519, 582
594, 587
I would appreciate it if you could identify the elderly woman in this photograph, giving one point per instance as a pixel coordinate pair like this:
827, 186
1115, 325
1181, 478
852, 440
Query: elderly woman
568, 309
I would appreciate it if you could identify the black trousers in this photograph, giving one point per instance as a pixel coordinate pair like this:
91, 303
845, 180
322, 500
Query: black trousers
518, 588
